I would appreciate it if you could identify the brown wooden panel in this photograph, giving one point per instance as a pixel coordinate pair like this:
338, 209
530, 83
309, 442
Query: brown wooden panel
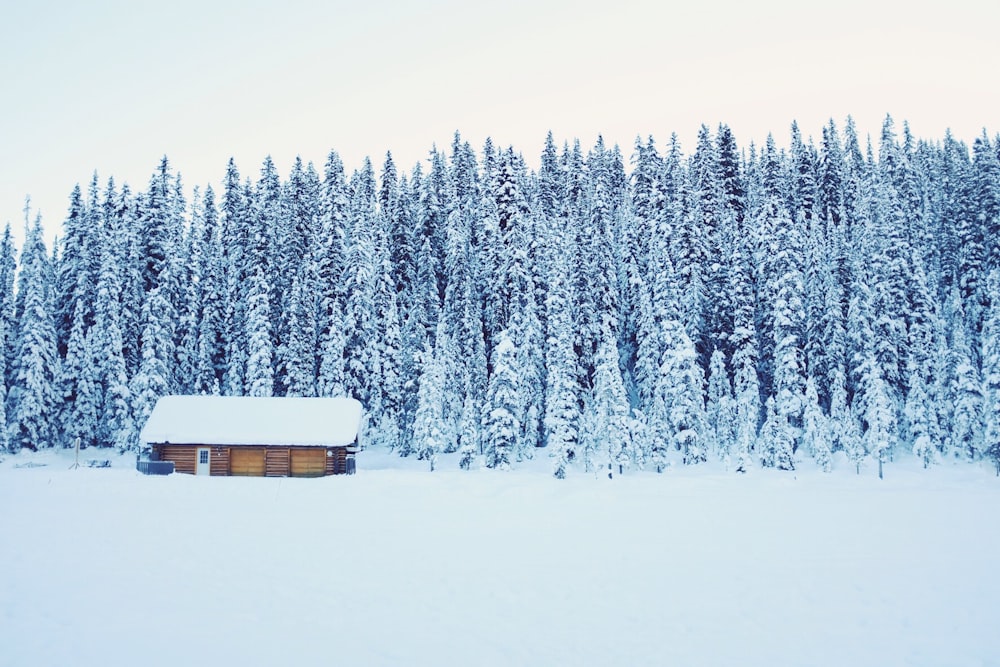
182, 456
219, 461
336, 464
277, 462
308, 462
246, 462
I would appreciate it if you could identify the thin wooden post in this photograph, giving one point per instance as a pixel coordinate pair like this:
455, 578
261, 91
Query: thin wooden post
76, 443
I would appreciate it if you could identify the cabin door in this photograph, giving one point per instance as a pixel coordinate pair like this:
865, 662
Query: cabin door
203, 466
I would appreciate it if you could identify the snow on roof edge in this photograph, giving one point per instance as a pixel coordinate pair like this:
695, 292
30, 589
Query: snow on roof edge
250, 421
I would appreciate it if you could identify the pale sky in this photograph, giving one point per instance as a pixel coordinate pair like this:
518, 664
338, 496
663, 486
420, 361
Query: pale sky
111, 87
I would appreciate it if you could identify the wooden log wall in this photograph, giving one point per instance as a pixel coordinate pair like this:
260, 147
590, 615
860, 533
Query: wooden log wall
183, 456
219, 461
337, 464
277, 460
276, 464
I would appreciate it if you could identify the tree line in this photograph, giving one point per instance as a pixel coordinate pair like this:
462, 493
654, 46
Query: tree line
756, 305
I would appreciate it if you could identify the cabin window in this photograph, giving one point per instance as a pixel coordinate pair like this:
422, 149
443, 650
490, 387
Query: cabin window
203, 456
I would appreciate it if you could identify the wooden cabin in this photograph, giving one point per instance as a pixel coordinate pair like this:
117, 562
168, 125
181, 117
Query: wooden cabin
260, 437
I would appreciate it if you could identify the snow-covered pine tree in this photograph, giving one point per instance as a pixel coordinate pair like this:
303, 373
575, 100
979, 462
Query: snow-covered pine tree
720, 410
777, 439
991, 372
562, 411
299, 351
117, 428
680, 394
610, 412
332, 381
210, 359
4, 436
153, 378
879, 414
236, 232
8, 271
72, 283
746, 385
79, 386
429, 438
966, 393
788, 319
501, 428
260, 369
815, 430
469, 431
31, 395
361, 284
919, 414
747, 400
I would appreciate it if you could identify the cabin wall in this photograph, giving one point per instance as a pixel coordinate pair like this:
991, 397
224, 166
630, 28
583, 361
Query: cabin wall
183, 456
277, 461
219, 461
337, 464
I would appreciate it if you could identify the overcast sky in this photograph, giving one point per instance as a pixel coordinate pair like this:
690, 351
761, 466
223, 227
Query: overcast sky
111, 87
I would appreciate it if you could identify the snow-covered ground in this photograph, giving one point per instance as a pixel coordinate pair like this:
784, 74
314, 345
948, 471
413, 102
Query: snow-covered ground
398, 566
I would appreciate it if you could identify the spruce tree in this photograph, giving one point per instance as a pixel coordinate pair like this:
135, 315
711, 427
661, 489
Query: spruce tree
562, 413
610, 411
153, 378
501, 428
991, 373
815, 431
260, 369
430, 435
777, 439
720, 409
31, 398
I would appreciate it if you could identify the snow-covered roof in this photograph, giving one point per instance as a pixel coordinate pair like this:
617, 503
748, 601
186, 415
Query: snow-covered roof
243, 420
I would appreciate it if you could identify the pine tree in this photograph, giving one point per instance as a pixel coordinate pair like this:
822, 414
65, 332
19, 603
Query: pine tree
469, 431
850, 437
361, 350
300, 349
429, 427
236, 233
967, 399
503, 403
777, 439
4, 436
153, 378
80, 396
31, 396
610, 412
918, 414
815, 430
260, 370
991, 373
562, 413
8, 270
720, 409
879, 416
679, 395
332, 380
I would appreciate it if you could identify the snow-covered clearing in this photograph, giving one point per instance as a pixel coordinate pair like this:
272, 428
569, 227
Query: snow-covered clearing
398, 566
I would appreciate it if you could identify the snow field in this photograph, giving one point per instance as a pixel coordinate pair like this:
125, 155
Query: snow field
396, 566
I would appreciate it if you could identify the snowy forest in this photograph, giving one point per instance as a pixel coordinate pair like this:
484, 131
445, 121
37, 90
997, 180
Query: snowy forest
754, 305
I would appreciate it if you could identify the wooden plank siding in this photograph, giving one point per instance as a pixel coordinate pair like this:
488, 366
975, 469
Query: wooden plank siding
258, 461
308, 462
247, 461
337, 464
277, 462
219, 461
183, 456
